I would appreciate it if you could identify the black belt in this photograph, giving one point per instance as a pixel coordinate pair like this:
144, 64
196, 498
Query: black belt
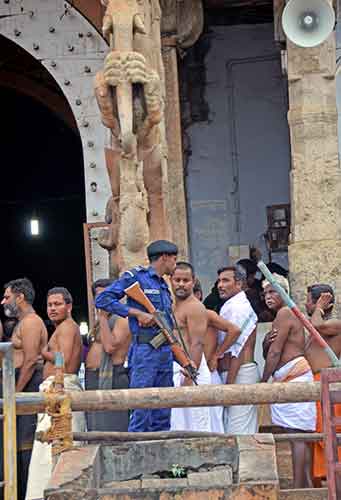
144, 338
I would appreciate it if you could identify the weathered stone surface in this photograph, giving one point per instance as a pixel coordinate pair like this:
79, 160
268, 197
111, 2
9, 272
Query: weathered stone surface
79, 467
136, 147
204, 494
315, 248
163, 484
257, 458
133, 485
315, 262
284, 464
255, 491
123, 462
218, 455
211, 479
306, 494
176, 189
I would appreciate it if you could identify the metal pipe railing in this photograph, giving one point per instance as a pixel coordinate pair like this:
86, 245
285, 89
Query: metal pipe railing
9, 422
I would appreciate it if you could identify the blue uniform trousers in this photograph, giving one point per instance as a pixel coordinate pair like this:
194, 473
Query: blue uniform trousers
150, 367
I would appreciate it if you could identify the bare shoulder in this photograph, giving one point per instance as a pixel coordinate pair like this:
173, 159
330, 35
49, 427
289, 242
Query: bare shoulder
194, 306
68, 327
285, 314
32, 321
211, 314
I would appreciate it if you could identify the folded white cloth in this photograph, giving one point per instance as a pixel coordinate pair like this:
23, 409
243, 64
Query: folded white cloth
300, 416
191, 419
40, 469
216, 412
238, 310
242, 419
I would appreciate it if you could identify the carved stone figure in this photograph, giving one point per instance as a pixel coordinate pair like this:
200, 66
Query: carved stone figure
130, 95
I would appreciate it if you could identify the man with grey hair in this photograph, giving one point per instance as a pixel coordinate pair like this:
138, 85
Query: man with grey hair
29, 338
285, 362
236, 362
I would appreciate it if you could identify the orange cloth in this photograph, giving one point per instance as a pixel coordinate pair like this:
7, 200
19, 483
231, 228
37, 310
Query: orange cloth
301, 367
319, 461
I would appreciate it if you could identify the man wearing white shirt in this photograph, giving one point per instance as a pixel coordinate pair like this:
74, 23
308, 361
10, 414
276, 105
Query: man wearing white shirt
236, 363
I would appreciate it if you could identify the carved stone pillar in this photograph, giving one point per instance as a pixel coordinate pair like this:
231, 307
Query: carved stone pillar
181, 26
315, 248
176, 187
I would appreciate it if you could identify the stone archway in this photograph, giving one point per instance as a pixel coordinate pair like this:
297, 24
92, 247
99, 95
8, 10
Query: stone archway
72, 50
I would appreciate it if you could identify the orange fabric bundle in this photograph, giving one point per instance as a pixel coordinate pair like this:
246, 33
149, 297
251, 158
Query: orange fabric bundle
319, 461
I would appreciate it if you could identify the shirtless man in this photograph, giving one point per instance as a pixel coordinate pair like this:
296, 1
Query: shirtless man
30, 335
67, 340
285, 362
191, 318
29, 338
105, 363
319, 306
236, 362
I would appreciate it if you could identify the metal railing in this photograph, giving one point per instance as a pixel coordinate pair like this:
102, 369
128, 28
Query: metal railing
9, 423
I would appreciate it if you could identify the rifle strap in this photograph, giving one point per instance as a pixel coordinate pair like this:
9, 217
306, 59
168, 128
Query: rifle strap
181, 338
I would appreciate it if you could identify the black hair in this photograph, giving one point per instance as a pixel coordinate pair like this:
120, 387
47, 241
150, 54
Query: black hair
24, 286
277, 268
101, 283
317, 290
197, 286
249, 266
62, 291
185, 265
238, 271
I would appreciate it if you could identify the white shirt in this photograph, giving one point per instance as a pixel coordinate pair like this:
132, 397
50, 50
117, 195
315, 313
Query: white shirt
238, 310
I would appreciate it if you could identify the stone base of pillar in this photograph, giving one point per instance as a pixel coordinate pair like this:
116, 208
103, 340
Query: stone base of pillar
315, 262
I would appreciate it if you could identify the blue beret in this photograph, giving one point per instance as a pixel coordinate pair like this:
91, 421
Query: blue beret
161, 246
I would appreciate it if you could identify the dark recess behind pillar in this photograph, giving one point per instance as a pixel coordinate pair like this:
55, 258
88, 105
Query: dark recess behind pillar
42, 175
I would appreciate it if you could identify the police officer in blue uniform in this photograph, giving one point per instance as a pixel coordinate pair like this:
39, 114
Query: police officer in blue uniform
149, 367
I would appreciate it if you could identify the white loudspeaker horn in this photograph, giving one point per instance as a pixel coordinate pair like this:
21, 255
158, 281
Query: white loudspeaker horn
308, 23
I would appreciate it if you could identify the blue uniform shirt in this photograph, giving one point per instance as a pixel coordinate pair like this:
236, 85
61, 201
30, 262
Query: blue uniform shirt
155, 288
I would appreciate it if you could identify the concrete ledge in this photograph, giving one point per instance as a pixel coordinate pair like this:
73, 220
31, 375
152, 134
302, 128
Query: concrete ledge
257, 458
214, 478
306, 494
164, 484
78, 467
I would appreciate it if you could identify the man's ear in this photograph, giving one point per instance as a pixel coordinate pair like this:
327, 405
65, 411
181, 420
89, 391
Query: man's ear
69, 308
20, 298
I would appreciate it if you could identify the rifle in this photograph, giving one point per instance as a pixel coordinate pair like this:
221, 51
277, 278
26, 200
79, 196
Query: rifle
136, 293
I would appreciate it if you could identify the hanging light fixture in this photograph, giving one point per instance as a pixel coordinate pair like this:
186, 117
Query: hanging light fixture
34, 227
84, 328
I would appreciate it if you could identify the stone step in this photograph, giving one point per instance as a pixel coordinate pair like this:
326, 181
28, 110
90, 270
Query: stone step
304, 494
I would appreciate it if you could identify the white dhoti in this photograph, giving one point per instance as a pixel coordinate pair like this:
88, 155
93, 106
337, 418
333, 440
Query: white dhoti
40, 469
300, 416
191, 419
243, 419
216, 412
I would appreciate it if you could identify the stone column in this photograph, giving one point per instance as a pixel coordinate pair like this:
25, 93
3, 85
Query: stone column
315, 247
176, 188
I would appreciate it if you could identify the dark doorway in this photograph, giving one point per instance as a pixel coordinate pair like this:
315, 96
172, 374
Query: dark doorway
42, 177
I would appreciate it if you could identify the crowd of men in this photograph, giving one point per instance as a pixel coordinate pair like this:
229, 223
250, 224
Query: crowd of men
126, 352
